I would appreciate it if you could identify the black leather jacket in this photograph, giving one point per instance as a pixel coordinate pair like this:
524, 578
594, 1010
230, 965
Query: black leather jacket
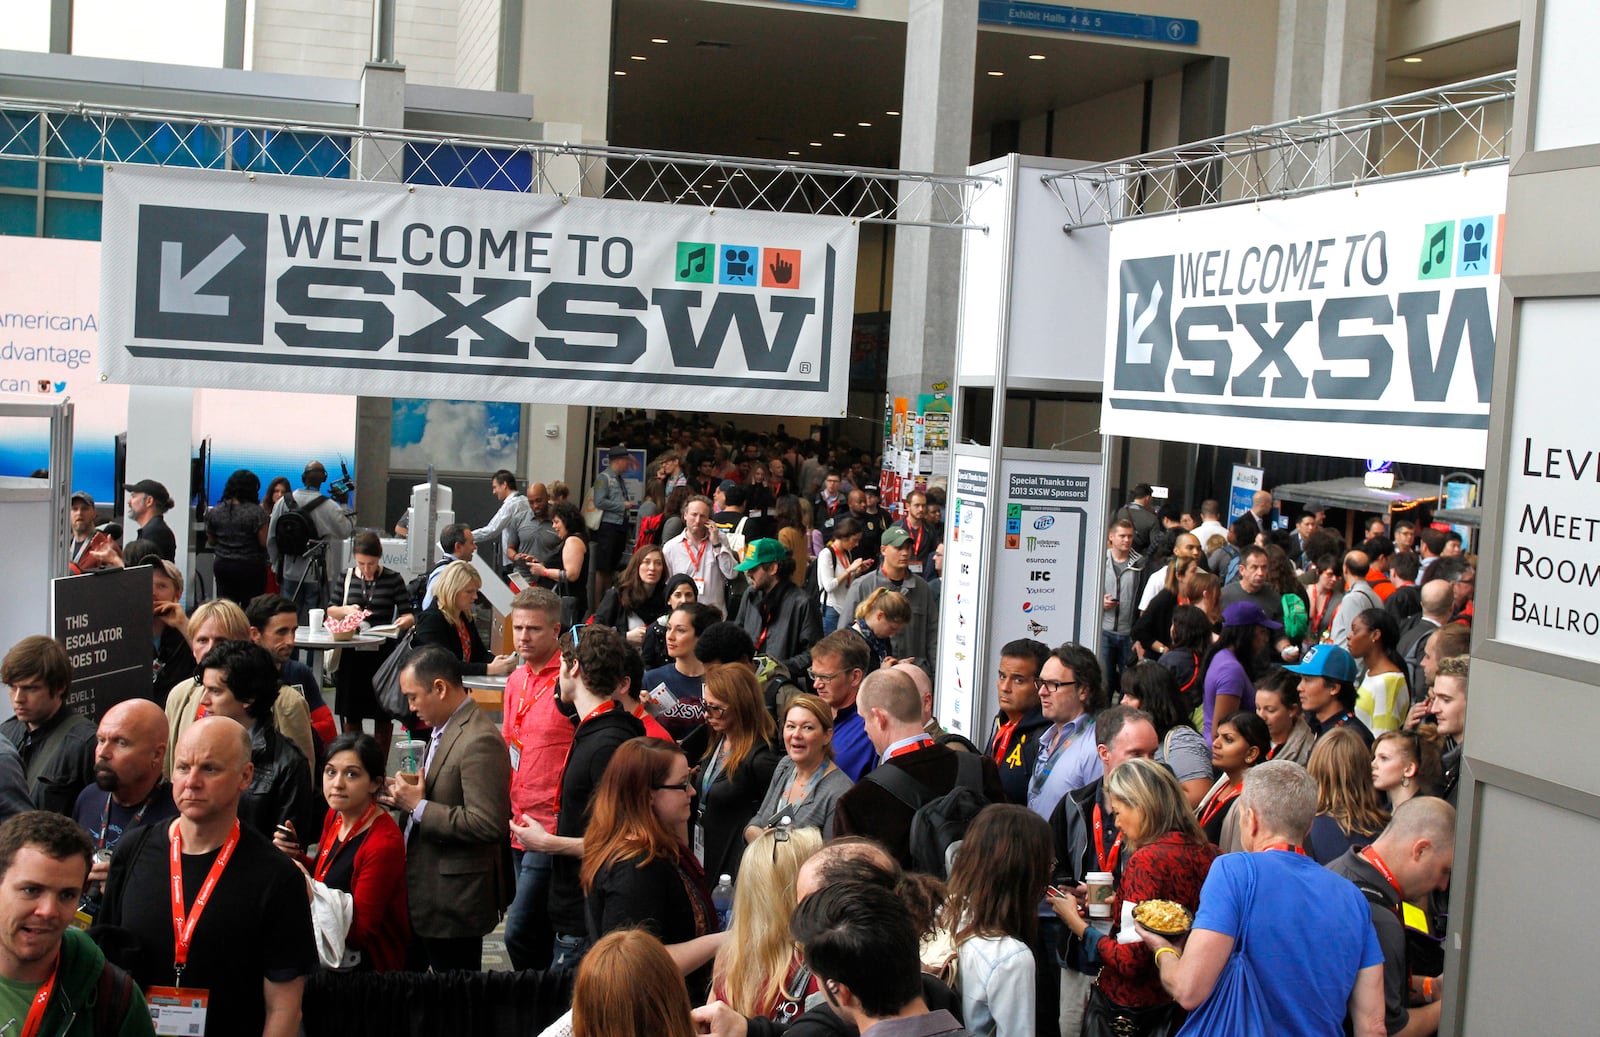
280, 789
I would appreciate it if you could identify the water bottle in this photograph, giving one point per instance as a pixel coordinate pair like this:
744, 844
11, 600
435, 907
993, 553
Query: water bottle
722, 899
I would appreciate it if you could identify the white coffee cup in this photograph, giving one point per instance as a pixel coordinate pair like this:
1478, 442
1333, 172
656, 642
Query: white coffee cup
1101, 891
315, 619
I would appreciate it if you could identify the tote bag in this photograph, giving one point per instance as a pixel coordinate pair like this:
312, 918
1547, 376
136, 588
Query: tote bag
1235, 1007
386, 682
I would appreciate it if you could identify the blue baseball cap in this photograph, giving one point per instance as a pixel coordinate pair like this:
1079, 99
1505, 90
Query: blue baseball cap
1328, 661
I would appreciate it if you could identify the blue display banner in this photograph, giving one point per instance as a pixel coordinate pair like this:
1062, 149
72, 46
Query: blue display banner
1154, 28
848, 5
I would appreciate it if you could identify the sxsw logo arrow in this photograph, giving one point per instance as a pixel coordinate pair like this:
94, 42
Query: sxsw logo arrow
201, 275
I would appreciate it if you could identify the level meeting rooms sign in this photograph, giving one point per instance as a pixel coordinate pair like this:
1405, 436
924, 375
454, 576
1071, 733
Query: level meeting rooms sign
1549, 564
247, 281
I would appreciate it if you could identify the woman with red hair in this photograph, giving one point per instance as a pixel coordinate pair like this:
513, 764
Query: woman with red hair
638, 870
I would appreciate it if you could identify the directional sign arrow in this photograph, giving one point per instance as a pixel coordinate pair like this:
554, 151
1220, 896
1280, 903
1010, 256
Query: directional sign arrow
180, 292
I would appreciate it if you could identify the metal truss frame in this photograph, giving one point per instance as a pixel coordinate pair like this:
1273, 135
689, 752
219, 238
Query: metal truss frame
34, 130
1457, 127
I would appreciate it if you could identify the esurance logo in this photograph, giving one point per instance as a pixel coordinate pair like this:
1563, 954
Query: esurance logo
508, 300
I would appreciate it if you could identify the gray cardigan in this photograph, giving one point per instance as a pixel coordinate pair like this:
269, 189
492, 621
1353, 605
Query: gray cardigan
815, 811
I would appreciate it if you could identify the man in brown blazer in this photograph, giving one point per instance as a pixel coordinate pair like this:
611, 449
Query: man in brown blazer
458, 865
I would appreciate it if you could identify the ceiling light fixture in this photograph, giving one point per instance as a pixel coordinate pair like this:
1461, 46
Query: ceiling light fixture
863, 124
892, 113
838, 135
1412, 60
816, 143
794, 152
659, 39
619, 72
1035, 57
638, 57
995, 72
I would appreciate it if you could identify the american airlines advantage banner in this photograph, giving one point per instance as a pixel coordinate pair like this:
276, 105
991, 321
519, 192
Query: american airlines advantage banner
236, 280
1355, 323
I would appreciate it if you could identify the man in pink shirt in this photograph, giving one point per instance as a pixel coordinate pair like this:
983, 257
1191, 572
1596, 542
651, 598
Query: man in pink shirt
538, 735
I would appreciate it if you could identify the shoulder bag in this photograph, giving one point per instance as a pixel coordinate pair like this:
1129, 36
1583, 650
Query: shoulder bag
386, 682
1235, 1006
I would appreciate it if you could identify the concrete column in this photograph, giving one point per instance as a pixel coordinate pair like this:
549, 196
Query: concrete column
383, 105
936, 136
565, 58
161, 424
1330, 55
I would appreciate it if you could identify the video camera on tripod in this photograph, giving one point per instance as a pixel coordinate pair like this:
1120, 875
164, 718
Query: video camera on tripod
341, 488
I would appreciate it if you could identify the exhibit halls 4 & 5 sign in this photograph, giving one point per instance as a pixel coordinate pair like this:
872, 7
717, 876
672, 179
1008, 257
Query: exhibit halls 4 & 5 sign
1358, 322
235, 280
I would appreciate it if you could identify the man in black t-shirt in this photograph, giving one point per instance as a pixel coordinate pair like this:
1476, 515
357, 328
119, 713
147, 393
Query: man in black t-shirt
252, 945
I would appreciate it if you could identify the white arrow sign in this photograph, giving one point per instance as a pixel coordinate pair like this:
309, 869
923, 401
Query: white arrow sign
180, 292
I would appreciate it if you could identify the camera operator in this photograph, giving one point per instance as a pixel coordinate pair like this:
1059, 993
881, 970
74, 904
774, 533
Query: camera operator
303, 574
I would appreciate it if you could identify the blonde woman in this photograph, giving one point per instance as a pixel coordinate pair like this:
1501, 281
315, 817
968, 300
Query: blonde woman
448, 623
1348, 811
759, 972
807, 783
214, 622
879, 619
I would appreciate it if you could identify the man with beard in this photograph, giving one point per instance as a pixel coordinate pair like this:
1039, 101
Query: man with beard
81, 517
128, 789
782, 619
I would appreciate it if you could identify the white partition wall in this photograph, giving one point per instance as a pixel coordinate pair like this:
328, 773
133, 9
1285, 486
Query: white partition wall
1529, 798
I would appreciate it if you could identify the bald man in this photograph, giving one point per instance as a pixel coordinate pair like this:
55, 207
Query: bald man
128, 789
253, 985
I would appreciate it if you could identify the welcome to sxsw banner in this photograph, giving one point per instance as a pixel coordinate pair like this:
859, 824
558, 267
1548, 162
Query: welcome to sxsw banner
1355, 323
240, 281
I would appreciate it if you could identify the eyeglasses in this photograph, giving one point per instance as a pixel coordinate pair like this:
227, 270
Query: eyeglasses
823, 678
1054, 686
682, 786
780, 834
713, 709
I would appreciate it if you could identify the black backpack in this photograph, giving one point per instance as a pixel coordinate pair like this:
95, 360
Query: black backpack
296, 530
417, 589
938, 822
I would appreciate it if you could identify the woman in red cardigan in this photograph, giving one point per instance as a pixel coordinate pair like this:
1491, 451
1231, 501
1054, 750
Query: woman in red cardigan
1167, 858
362, 853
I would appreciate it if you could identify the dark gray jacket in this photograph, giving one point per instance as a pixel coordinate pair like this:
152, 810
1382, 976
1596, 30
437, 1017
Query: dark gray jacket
796, 624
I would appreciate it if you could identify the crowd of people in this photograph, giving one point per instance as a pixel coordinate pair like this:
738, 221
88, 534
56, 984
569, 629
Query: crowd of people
719, 798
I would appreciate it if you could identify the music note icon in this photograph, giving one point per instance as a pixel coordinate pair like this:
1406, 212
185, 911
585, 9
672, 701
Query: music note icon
695, 263
1436, 250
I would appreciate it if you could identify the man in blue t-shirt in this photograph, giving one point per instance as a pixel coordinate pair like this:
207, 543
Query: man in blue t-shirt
1306, 933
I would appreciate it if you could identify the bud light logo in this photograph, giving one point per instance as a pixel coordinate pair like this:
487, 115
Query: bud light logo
1044, 522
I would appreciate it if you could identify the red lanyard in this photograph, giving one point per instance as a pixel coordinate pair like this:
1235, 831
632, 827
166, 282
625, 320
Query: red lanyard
910, 747
1285, 847
1193, 674
466, 642
695, 559
605, 707
916, 545
530, 695
1001, 738
183, 930
330, 851
40, 1001
1222, 799
1370, 856
561, 775
1107, 862
841, 563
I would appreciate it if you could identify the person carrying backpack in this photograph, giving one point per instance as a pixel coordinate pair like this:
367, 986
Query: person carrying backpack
923, 795
304, 527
